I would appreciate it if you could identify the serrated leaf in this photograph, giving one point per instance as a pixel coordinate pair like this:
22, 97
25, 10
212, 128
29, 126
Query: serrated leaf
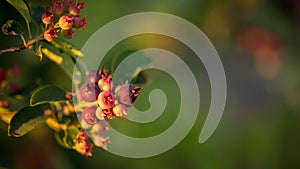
25, 120
22, 8
12, 27
48, 94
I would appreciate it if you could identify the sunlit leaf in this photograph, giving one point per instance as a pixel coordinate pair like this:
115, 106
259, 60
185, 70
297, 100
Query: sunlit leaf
25, 120
48, 94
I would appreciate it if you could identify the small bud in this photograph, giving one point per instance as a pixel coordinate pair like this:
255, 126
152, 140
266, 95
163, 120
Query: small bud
79, 22
50, 34
47, 17
106, 100
65, 22
67, 33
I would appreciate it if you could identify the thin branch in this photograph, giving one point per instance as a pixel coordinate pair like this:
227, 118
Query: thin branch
24, 46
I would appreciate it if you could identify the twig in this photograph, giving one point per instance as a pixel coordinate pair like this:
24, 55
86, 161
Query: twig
24, 46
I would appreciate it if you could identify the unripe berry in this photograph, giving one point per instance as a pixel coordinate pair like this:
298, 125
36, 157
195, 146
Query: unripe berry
89, 115
50, 34
127, 93
106, 100
120, 110
65, 22
74, 9
89, 92
105, 83
47, 17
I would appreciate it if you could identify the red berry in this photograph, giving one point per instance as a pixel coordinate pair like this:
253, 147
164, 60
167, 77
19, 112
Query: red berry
89, 92
106, 100
89, 115
50, 34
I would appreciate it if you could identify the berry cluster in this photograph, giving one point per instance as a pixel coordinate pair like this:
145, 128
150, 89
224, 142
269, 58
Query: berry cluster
98, 88
64, 17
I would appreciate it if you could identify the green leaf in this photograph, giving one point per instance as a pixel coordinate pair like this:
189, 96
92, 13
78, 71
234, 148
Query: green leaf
12, 27
59, 136
67, 137
70, 135
25, 120
48, 94
22, 8
60, 57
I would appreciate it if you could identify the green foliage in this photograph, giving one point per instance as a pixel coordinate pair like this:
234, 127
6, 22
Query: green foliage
22, 8
48, 94
26, 119
66, 137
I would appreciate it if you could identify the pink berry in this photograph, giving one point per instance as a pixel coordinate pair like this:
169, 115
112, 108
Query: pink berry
89, 115
47, 17
89, 92
50, 34
106, 100
65, 22
127, 93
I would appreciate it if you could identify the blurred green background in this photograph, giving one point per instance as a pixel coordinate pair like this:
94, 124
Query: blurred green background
258, 43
